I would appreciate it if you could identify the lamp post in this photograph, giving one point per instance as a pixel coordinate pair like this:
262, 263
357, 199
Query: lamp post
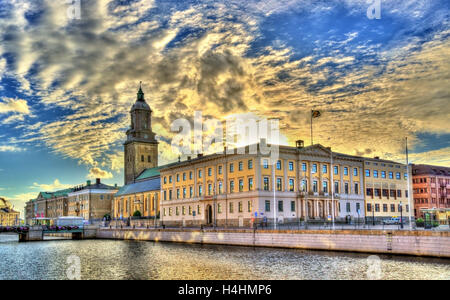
401, 215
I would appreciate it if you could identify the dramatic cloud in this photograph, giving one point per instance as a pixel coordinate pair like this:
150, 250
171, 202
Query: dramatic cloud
375, 81
56, 185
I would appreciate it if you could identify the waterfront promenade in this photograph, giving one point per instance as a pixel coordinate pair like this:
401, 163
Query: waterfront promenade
418, 243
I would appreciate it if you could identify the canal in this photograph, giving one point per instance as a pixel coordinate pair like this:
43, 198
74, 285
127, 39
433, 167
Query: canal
106, 259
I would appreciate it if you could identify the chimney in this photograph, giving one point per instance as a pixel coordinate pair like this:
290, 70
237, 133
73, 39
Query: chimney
377, 157
97, 181
200, 155
300, 144
188, 158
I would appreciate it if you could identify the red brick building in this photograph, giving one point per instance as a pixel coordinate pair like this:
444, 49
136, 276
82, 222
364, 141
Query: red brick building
431, 188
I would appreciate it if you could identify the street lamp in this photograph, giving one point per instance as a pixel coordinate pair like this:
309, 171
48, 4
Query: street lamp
401, 215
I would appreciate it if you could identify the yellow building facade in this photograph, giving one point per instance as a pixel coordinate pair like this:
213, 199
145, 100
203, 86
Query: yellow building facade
238, 189
387, 191
8, 216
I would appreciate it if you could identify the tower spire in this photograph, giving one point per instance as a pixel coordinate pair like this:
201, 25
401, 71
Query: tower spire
140, 94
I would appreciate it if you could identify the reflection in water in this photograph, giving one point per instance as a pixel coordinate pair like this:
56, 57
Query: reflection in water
104, 259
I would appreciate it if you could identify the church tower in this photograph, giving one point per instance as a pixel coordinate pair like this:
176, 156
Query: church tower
141, 147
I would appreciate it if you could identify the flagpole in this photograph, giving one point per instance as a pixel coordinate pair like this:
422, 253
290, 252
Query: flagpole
312, 141
409, 192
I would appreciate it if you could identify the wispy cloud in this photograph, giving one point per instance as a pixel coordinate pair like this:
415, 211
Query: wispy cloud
56, 185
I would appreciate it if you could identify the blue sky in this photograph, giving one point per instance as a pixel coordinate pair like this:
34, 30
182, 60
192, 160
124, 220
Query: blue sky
66, 85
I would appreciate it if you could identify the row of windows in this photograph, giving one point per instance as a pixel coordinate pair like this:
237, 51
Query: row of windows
377, 174
265, 166
385, 207
433, 180
384, 165
183, 210
433, 200
385, 193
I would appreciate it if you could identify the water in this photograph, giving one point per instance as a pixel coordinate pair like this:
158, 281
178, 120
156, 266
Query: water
105, 259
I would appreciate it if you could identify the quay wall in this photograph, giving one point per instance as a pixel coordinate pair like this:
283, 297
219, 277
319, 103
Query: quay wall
418, 243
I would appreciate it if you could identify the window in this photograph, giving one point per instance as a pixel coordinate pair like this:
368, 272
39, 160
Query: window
209, 189
385, 193
358, 207
190, 175
356, 188
304, 167
191, 192
392, 207
375, 173
377, 207
391, 175
279, 184
231, 207
345, 171
278, 164
397, 175
369, 207
170, 179
231, 168
377, 193
314, 168
142, 158
241, 166
383, 174
200, 190
267, 206
165, 195
209, 171
241, 185
399, 193
184, 176
178, 193
240, 207
315, 186
265, 164
336, 170
355, 172
219, 208
369, 192
250, 164
304, 187
249, 206
367, 173
291, 166
385, 208
250, 184
325, 169
291, 184
325, 186
170, 194
231, 186
392, 193
347, 207
346, 187
220, 187
220, 170
336, 187
149, 158
165, 179
280, 205
178, 177
292, 206
266, 183
199, 173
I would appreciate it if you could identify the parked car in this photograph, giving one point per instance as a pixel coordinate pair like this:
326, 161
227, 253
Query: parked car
392, 221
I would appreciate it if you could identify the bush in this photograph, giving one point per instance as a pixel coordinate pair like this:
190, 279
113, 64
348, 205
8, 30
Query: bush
420, 222
137, 214
435, 224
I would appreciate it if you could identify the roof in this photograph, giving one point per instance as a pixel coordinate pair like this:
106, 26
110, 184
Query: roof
152, 172
430, 170
152, 184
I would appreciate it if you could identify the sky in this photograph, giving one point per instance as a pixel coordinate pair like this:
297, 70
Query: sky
68, 80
